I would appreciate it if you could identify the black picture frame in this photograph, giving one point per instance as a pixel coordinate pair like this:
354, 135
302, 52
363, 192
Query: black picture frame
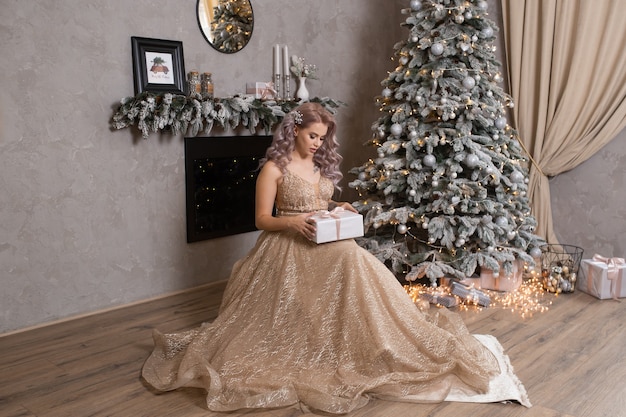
166, 74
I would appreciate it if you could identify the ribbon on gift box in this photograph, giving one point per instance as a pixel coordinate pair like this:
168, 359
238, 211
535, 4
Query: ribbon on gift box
269, 92
612, 273
470, 294
334, 213
445, 300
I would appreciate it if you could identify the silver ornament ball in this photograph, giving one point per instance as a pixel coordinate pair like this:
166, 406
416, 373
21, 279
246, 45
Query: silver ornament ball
535, 252
429, 160
517, 177
396, 129
436, 49
469, 82
471, 160
500, 122
416, 5
502, 221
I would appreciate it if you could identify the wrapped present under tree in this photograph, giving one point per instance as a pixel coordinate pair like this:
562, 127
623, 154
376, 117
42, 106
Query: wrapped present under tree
603, 277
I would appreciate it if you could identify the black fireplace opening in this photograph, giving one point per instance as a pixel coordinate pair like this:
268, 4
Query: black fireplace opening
220, 179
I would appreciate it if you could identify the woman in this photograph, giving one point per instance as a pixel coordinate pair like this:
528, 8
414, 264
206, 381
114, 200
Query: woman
322, 326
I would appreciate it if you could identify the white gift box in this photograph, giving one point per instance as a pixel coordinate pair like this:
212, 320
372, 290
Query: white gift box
596, 279
337, 225
502, 282
261, 90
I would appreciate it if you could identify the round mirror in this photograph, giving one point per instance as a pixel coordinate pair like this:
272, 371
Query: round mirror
226, 24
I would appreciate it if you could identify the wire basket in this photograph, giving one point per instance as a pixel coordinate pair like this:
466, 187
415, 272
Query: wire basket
559, 267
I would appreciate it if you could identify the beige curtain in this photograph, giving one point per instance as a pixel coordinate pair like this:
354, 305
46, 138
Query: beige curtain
567, 72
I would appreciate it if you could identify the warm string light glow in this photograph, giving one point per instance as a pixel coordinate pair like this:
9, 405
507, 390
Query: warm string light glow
528, 299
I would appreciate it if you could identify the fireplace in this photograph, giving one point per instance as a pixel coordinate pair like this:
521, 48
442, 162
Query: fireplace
220, 177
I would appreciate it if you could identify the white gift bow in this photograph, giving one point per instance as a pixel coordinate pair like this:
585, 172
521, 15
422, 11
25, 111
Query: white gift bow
325, 214
269, 91
612, 273
334, 213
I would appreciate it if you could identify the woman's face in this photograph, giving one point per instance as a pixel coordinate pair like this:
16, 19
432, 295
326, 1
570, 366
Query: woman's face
309, 139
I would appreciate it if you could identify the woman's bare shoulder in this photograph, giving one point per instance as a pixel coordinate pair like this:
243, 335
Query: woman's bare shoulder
271, 171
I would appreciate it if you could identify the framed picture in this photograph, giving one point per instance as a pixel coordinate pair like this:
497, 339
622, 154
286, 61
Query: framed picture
158, 65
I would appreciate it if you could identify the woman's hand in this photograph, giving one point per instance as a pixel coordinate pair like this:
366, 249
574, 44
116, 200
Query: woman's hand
346, 206
302, 224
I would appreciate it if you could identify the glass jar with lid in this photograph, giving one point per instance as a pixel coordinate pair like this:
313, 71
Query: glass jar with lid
207, 85
193, 83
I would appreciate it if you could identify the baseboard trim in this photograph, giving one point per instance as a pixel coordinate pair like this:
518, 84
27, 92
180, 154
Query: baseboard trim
113, 308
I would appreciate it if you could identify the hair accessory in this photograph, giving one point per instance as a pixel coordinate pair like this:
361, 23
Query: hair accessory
297, 117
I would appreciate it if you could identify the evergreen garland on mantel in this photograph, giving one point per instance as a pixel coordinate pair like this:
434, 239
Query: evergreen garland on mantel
154, 112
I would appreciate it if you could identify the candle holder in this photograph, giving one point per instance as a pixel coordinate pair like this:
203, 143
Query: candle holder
277, 86
286, 83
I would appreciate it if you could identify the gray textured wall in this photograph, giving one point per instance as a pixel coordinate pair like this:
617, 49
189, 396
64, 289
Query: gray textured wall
589, 202
92, 218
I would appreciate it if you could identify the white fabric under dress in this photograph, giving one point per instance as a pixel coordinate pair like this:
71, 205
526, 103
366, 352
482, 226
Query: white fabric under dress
326, 327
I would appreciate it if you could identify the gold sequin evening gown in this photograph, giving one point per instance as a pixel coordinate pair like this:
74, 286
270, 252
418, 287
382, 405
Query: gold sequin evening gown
326, 327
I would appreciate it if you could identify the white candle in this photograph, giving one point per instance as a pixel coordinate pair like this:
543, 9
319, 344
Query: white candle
285, 60
276, 59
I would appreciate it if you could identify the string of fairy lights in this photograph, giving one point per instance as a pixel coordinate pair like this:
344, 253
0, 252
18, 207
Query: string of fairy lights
530, 298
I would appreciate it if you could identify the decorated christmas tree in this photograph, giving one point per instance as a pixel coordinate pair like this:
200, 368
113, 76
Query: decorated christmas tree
231, 25
446, 194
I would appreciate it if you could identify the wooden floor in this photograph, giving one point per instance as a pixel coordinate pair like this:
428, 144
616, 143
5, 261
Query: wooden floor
571, 358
